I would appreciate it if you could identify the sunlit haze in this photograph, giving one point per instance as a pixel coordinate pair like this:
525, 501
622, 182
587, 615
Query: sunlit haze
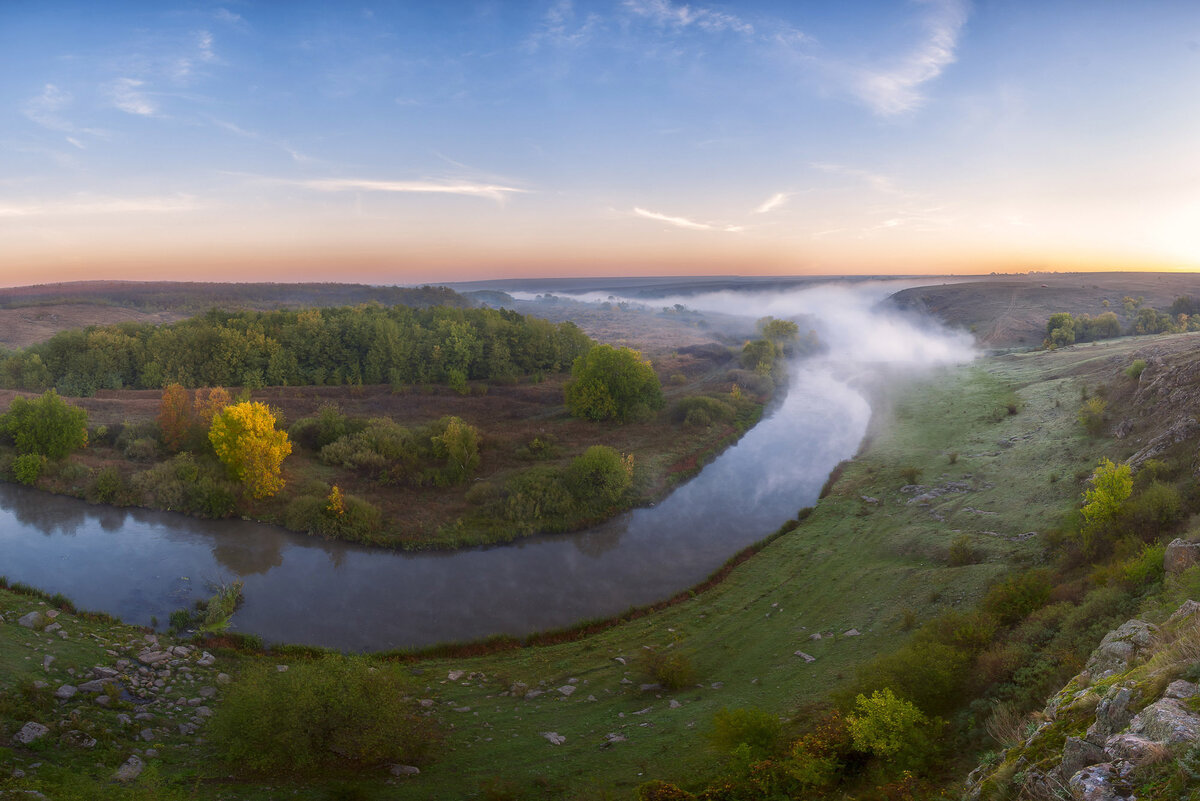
420, 142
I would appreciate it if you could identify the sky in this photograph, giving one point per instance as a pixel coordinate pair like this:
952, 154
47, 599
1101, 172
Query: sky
415, 142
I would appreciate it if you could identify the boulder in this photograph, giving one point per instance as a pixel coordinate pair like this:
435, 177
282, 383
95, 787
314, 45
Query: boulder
1095, 783
1130, 747
1167, 721
130, 770
29, 732
1181, 690
32, 620
1112, 715
1185, 612
554, 737
567, 689
1180, 555
1120, 648
1079, 754
404, 770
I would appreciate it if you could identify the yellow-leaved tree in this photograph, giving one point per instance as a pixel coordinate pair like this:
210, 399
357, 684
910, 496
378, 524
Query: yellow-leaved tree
245, 440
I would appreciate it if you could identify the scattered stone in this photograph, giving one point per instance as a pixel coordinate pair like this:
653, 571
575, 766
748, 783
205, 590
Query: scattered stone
404, 770
124, 719
1185, 611
869, 499
529, 696
207, 692
1119, 648
816, 636
281, 668
153, 657
426, 702
674, 704
805, 657
65, 692
1112, 715
620, 659
554, 737
101, 672
612, 739
1094, 783
462, 709
850, 633
77, 739
53, 627
1130, 747
224, 678
653, 687
567, 689
29, 732
130, 770
716, 685
1167, 721
93, 686
147, 735
455, 675
47, 660
103, 700
206, 659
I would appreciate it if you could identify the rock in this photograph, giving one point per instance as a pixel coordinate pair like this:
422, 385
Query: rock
1185, 611
612, 739
1095, 783
30, 732
147, 735
1120, 648
1112, 715
93, 686
404, 770
149, 657
620, 659
66, 691
124, 719
674, 704
206, 659
224, 678
1129, 747
103, 700
851, 633
518, 688
650, 688
77, 739
32, 620
130, 770
47, 661
105, 673
281, 668
805, 657
455, 675
567, 689
529, 696
53, 627
1167, 721
426, 703
1180, 555
1181, 690
206, 692
554, 737
1079, 754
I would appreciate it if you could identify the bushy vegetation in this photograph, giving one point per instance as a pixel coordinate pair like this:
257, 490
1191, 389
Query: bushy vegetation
182, 483
321, 716
334, 514
366, 344
701, 411
1063, 328
610, 383
246, 441
47, 426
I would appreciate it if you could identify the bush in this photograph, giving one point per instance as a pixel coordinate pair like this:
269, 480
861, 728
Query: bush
106, 486
1091, 415
458, 444
759, 730
702, 411
670, 668
1134, 370
182, 484
358, 519
383, 448
143, 449
911, 475
889, 728
1015, 598
327, 426
611, 383
537, 500
1153, 511
319, 716
47, 426
962, 552
599, 478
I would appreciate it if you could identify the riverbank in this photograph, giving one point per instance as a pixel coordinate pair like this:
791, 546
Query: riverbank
871, 561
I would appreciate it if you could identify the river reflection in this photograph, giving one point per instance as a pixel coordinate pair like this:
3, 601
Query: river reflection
137, 564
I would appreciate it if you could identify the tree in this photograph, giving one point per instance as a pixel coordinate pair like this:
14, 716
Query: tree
175, 416
1060, 330
46, 426
208, 403
610, 383
1112, 484
889, 727
459, 444
599, 477
778, 331
245, 440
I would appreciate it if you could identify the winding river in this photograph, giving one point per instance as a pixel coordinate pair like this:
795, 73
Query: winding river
140, 565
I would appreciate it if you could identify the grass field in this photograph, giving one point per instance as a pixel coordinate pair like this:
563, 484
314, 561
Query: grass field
996, 454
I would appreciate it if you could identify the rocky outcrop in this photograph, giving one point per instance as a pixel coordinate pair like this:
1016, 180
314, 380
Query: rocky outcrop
1133, 718
1180, 555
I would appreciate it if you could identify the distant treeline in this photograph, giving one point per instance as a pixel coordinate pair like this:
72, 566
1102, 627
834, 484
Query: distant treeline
1063, 328
367, 344
197, 296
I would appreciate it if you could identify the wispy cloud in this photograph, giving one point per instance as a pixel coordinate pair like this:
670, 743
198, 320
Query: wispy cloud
680, 16
683, 222
230, 18
128, 96
560, 28
296, 155
47, 110
773, 202
92, 205
496, 192
897, 89
880, 183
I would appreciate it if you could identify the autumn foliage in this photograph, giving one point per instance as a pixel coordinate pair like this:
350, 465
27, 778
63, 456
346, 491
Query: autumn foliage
245, 440
175, 417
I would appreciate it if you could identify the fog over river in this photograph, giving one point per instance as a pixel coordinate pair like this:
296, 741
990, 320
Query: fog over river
136, 564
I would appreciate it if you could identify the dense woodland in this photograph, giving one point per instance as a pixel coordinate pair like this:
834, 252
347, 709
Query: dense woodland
367, 344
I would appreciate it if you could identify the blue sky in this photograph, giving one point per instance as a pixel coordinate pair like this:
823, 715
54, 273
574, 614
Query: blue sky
399, 142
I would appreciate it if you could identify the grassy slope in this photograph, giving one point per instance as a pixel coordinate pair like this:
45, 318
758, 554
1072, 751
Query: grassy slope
852, 564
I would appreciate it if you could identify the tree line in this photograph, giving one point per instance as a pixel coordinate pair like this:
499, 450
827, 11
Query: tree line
1064, 328
367, 344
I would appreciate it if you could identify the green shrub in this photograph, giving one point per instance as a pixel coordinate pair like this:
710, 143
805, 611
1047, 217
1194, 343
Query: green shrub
671, 668
910, 474
759, 730
598, 478
319, 716
962, 552
358, 519
388, 451
47, 426
1146, 567
610, 383
27, 467
656, 790
1153, 511
1014, 598
106, 486
701, 410
458, 444
143, 449
888, 727
1091, 415
182, 484
537, 500
1134, 370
